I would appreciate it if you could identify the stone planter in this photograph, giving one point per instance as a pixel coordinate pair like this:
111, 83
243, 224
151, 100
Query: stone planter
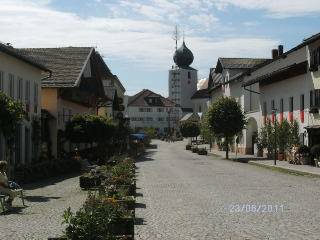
204, 152
86, 182
188, 147
304, 160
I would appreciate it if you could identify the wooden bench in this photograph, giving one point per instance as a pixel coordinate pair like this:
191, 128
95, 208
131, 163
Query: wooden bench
4, 195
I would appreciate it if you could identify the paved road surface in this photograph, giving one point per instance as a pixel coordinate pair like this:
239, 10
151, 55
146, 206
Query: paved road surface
46, 201
187, 196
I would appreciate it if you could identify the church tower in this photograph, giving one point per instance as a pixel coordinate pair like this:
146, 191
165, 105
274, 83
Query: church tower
182, 83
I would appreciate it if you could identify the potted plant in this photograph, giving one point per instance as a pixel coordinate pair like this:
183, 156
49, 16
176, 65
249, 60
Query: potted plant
315, 150
314, 110
195, 149
304, 151
202, 151
188, 146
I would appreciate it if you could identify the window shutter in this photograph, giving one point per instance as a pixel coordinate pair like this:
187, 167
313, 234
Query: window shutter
301, 102
311, 98
291, 104
281, 105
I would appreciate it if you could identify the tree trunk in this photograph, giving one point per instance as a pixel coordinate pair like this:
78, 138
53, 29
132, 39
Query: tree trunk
227, 150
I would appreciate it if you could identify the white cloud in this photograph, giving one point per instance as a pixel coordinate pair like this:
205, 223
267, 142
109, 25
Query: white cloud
276, 8
204, 19
221, 6
151, 13
255, 23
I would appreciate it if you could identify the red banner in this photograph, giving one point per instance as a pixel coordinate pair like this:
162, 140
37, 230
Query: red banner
27, 107
223, 88
35, 109
272, 118
264, 119
302, 116
290, 116
281, 117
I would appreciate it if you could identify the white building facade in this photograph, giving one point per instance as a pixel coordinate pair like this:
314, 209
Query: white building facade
20, 79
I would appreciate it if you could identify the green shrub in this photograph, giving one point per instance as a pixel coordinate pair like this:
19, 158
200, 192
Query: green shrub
315, 150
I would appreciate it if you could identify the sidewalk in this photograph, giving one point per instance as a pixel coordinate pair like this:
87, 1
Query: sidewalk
304, 169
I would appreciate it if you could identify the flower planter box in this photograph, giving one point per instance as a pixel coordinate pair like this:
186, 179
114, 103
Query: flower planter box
129, 204
203, 152
123, 226
86, 182
194, 150
188, 147
281, 156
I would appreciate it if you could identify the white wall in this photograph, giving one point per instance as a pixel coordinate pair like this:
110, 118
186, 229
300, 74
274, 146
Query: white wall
19, 69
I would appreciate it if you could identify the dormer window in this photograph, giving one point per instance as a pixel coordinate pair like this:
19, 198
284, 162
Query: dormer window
150, 100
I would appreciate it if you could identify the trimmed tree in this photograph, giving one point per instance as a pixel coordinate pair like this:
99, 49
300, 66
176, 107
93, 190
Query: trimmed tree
11, 114
226, 118
189, 129
90, 128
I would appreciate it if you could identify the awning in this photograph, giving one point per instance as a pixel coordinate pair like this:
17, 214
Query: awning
138, 136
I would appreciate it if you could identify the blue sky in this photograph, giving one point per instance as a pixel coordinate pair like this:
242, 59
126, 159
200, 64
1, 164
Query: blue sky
135, 37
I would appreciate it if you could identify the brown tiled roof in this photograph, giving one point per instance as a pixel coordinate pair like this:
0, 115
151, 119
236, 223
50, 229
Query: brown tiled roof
103, 68
240, 62
200, 94
66, 63
139, 99
17, 54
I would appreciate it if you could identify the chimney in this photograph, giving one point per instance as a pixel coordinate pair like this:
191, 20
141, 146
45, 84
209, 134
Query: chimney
274, 53
280, 50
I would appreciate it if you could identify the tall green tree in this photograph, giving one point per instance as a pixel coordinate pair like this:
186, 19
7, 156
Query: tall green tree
11, 114
226, 118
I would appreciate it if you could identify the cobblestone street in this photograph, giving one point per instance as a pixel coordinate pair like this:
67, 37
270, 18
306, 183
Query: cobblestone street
183, 195
45, 203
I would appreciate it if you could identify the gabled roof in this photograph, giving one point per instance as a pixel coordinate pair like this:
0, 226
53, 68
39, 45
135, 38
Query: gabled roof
17, 54
67, 63
188, 116
139, 99
103, 68
237, 63
200, 94
105, 72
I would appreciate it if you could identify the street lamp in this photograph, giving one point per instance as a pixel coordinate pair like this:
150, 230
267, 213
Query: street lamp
274, 111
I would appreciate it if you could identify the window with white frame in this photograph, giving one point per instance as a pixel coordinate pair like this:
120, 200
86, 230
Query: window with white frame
160, 119
11, 86
19, 89
35, 98
64, 114
149, 118
27, 92
145, 110
1, 81
160, 109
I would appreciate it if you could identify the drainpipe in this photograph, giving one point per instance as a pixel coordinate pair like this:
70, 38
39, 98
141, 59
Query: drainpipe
50, 74
250, 90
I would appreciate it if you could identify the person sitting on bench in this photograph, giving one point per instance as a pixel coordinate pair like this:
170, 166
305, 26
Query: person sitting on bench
5, 186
